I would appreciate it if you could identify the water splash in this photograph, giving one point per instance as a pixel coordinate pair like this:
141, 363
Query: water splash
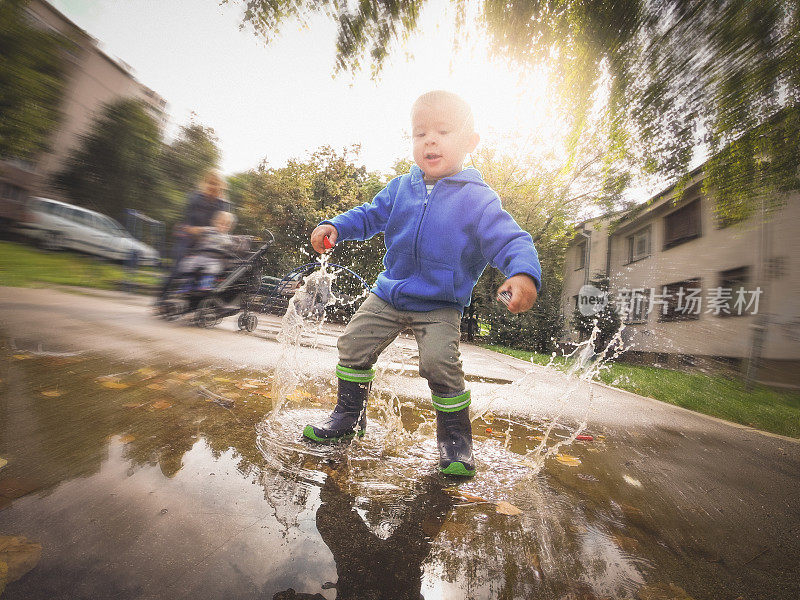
582, 366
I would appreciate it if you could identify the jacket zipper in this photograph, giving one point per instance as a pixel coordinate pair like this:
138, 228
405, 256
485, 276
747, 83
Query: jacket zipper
396, 290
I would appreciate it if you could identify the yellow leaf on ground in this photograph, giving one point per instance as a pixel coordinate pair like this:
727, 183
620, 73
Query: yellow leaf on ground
127, 438
506, 508
246, 386
161, 404
569, 460
51, 393
160, 387
147, 372
19, 556
298, 394
223, 379
23, 356
114, 385
265, 393
3, 462
465, 495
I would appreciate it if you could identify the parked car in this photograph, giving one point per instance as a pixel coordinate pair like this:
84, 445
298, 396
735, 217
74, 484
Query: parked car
58, 225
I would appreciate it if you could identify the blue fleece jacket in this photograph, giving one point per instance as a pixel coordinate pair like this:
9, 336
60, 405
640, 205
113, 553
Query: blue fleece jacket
437, 247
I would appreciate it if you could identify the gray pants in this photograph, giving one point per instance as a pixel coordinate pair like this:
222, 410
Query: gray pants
376, 324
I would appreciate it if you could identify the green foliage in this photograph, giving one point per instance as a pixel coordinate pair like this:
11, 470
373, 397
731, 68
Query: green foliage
290, 201
32, 76
607, 321
122, 162
672, 74
117, 164
186, 160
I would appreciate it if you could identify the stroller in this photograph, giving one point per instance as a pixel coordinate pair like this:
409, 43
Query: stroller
232, 292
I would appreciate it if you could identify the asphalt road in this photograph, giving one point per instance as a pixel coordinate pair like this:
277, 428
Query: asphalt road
720, 501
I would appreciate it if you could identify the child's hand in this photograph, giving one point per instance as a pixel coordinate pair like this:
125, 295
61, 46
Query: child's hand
320, 233
523, 293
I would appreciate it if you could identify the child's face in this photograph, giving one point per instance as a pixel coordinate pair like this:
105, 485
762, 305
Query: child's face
440, 141
223, 225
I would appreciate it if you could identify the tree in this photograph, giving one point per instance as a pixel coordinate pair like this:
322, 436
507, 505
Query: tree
32, 76
190, 156
677, 72
116, 165
607, 320
182, 165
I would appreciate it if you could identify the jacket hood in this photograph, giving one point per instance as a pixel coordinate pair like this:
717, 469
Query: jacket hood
468, 175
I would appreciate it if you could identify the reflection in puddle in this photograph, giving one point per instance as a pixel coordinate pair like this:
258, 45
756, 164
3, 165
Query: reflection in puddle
148, 488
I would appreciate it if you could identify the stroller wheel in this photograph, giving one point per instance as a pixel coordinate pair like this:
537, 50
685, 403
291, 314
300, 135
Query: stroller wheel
242, 321
206, 315
251, 323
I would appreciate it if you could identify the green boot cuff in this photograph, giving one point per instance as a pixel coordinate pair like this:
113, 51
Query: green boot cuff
355, 375
451, 404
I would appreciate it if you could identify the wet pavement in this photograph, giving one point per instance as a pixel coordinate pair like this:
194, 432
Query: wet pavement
138, 460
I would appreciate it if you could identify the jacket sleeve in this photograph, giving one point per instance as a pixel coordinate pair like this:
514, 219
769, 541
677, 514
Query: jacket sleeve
362, 222
506, 246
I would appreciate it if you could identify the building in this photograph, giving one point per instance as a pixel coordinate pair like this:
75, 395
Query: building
93, 79
694, 290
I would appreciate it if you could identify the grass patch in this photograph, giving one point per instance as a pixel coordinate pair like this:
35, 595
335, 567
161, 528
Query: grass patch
25, 266
766, 408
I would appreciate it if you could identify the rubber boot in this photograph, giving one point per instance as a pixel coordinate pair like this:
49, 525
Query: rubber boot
454, 435
349, 418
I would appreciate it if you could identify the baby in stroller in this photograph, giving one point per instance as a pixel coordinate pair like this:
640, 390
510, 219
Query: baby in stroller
209, 255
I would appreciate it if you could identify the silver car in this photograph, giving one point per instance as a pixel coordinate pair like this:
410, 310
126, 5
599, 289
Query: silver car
60, 225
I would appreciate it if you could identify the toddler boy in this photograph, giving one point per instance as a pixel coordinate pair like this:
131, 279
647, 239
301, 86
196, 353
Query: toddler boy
442, 225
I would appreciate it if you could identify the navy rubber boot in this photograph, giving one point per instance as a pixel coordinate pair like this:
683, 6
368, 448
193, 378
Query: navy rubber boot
349, 418
454, 435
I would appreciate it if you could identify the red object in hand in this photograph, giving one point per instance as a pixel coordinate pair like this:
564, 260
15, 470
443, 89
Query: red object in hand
326, 242
584, 438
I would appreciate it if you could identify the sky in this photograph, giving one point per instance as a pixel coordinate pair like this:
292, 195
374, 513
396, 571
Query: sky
280, 101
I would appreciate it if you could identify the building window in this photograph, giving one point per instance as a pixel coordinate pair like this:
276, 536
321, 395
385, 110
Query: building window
639, 245
734, 293
680, 301
635, 305
682, 225
581, 255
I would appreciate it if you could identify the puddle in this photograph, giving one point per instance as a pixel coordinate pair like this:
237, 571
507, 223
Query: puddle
164, 480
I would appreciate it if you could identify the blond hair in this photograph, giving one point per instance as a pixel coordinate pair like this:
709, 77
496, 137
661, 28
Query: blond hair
453, 103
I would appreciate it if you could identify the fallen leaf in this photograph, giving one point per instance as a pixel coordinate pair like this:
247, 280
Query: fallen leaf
147, 372
19, 556
114, 385
298, 394
161, 404
584, 438
160, 387
569, 460
3, 462
246, 386
223, 379
506, 508
51, 393
265, 393
23, 356
465, 496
